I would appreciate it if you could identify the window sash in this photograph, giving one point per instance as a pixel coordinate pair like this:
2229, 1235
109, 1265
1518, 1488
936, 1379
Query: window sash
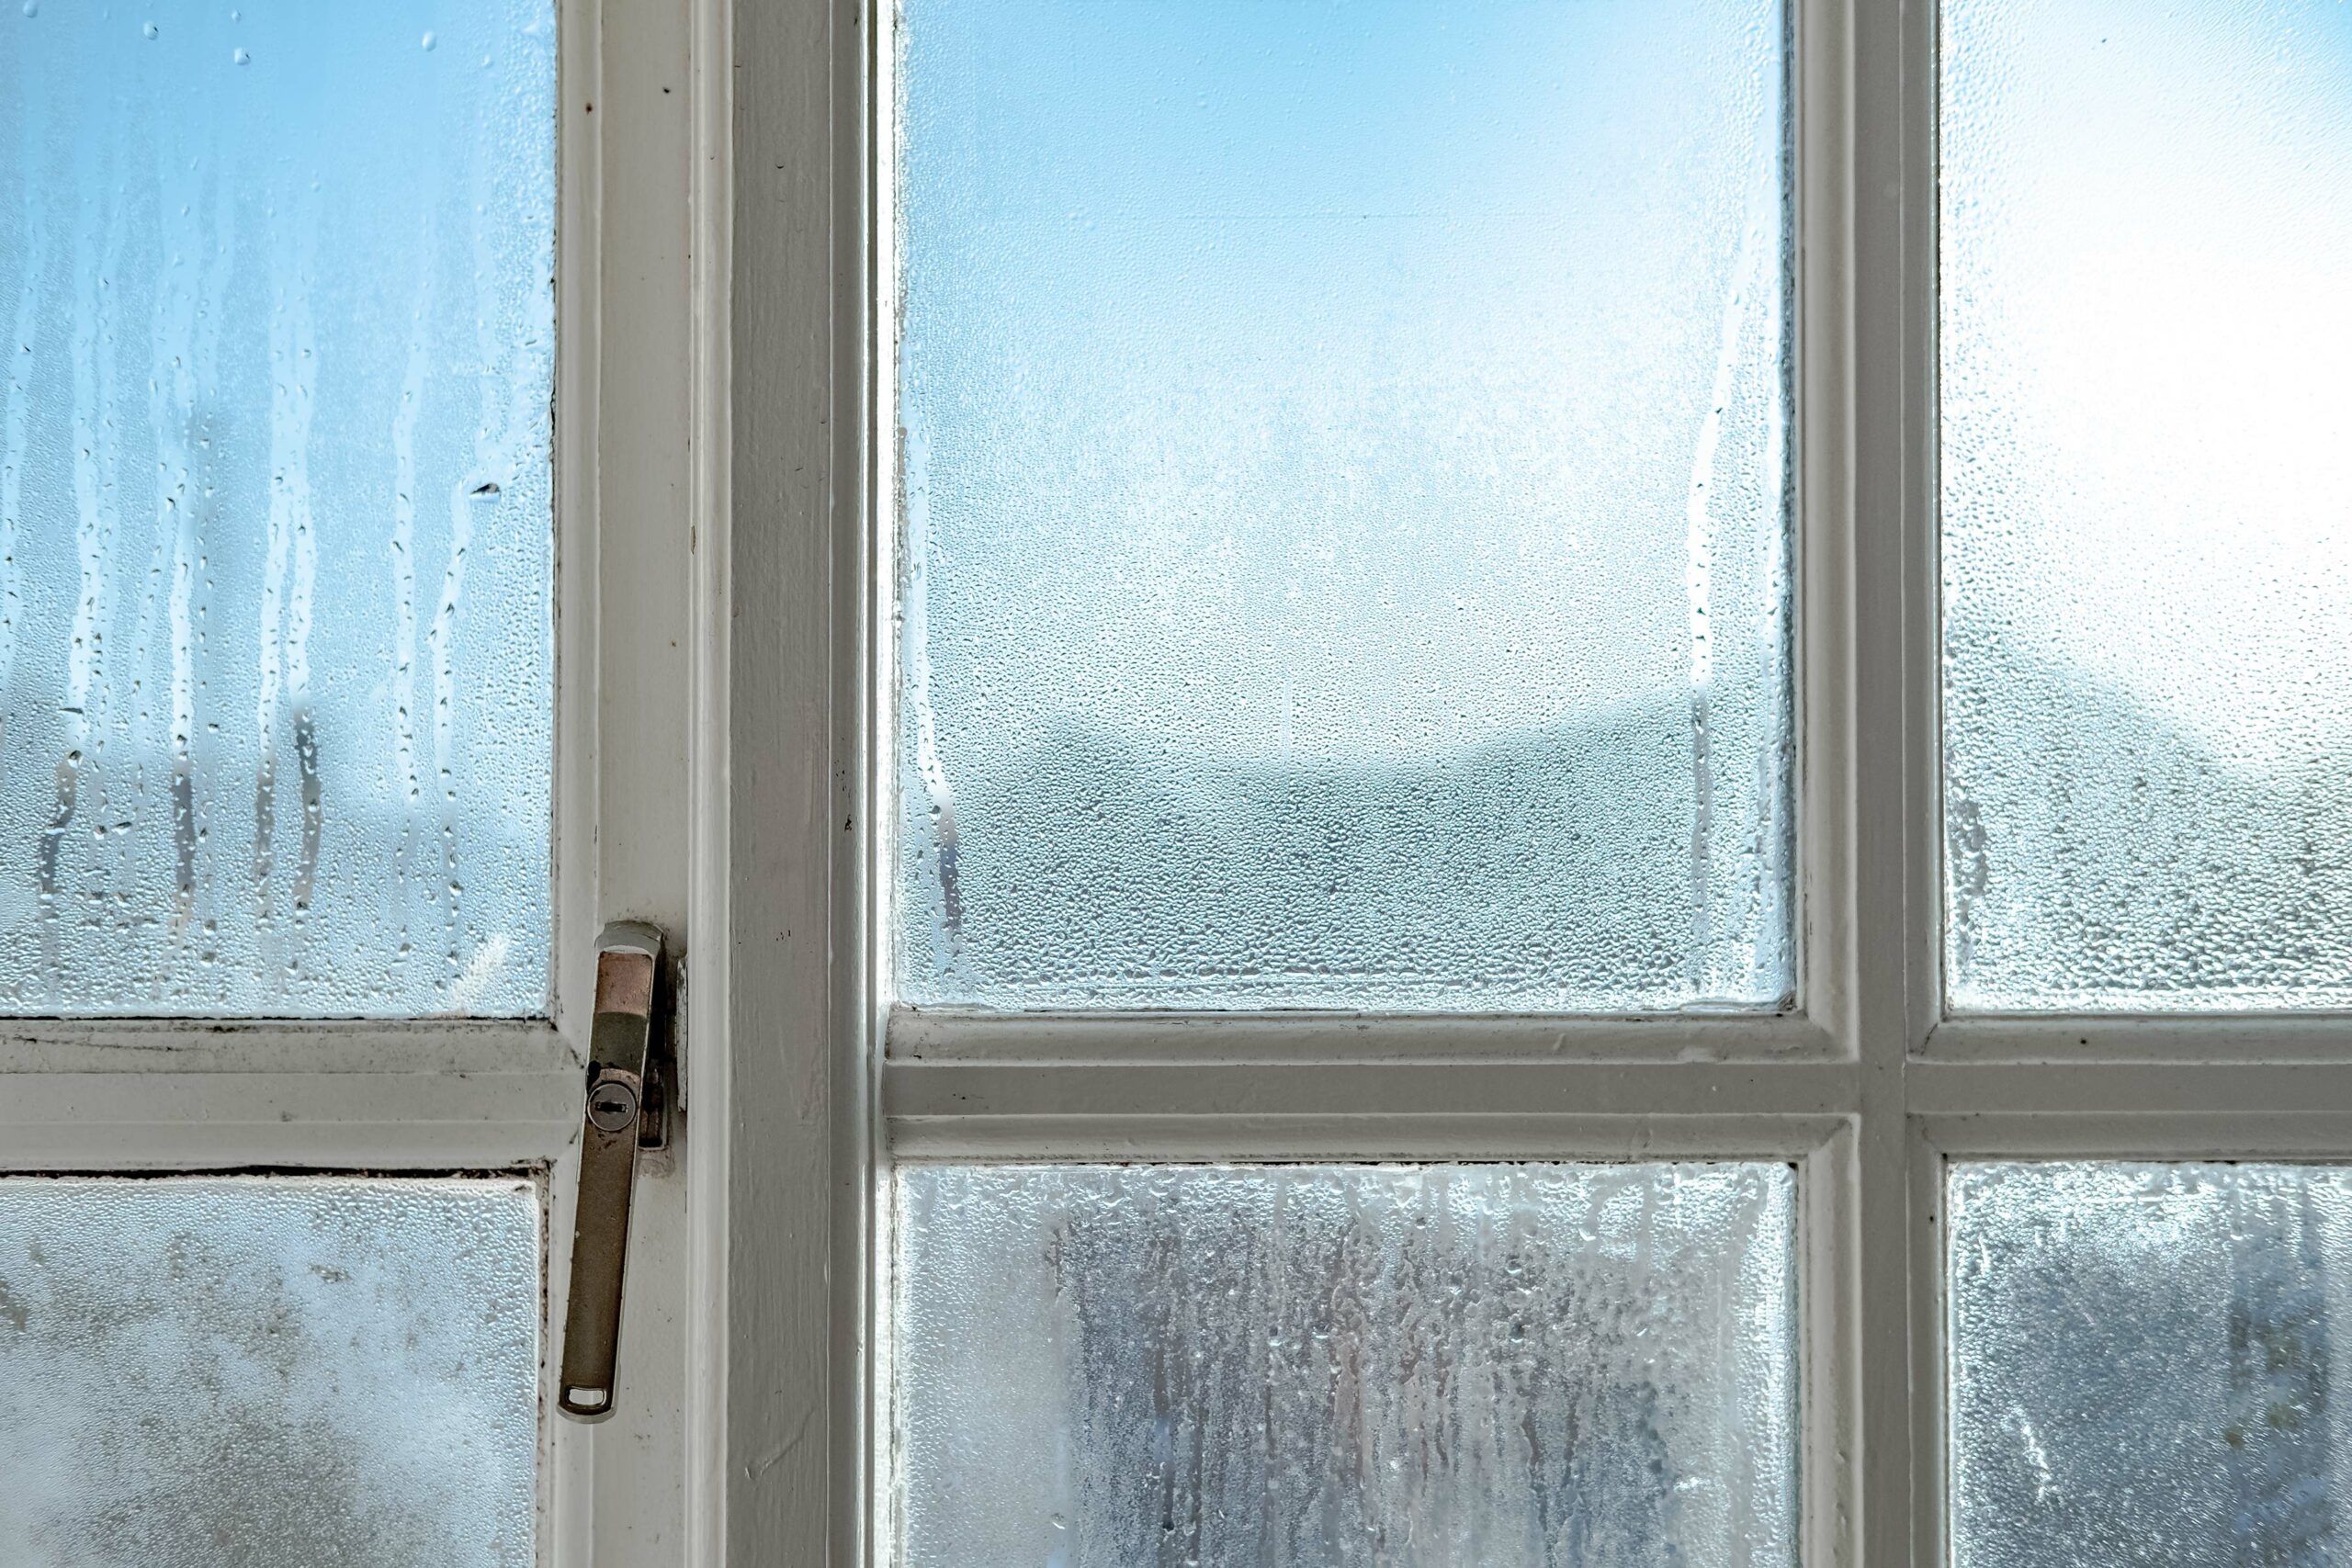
1866, 1085
638, 810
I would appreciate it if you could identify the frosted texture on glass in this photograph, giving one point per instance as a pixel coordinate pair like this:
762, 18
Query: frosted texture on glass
1106, 1366
268, 1374
276, 591
2147, 448
2142, 1365
1342, 468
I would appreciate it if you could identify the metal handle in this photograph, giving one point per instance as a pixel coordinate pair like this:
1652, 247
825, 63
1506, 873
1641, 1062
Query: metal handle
627, 1109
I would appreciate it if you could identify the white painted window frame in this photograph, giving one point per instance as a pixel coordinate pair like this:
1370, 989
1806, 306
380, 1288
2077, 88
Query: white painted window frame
1867, 1086
640, 820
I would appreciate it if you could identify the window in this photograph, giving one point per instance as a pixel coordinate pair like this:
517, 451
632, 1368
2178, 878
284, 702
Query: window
1426, 620
352, 612
1529, 781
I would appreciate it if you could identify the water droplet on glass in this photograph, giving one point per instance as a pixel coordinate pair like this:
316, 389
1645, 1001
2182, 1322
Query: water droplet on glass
241, 57
428, 40
32, 7
147, 31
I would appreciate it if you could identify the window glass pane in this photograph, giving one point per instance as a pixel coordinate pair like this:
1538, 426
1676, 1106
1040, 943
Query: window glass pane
267, 1371
1342, 464
2142, 1360
274, 519
2146, 314
1103, 1366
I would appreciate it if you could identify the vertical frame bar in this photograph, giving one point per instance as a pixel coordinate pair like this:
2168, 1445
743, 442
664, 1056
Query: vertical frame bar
1892, 780
1930, 1461
1831, 1303
798, 1120
1822, 86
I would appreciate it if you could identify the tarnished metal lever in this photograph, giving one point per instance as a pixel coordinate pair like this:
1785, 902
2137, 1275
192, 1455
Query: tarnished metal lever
628, 1110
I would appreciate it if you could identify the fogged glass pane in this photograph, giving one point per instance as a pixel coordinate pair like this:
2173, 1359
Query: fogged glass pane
1342, 465
274, 541
2146, 314
1098, 1367
2142, 1364
266, 1372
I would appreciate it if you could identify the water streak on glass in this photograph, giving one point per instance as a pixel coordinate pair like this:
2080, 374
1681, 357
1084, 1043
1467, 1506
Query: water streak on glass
2146, 452
275, 541
226, 1373
1097, 1367
2143, 1364
1341, 482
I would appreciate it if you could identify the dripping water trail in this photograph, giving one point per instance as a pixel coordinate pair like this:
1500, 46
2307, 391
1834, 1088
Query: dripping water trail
2282, 1461
1771, 831
92, 337
203, 461
947, 914
289, 580
299, 600
187, 342
16, 424
275, 557
403, 568
480, 487
52, 842
1699, 583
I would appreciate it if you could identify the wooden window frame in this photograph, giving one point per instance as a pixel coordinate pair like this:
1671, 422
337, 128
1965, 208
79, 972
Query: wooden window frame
724, 252
638, 829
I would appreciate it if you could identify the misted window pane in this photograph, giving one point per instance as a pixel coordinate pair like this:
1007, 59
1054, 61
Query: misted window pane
276, 589
2146, 317
1343, 475
255, 1372
2142, 1364
1320, 1366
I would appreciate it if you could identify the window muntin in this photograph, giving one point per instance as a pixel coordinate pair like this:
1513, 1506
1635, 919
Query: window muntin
2146, 307
1341, 465
277, 583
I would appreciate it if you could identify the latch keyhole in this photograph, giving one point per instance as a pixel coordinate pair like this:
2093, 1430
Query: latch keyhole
612, 1106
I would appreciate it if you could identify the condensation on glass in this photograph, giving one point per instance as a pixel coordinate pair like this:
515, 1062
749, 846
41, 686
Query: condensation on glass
2142, 1364
1341, 475
251, 1372
276, 591
1101, 1366
2147, 557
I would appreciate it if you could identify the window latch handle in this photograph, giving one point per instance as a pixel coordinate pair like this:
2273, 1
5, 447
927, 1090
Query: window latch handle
631, 1089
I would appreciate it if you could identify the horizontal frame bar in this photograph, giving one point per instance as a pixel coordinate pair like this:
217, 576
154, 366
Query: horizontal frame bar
134, 1046
2125, 1088
996, 1107
2172, 1136
156, 1121
1193, 1140
1244, 1089
916, 1035
2129, 1037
